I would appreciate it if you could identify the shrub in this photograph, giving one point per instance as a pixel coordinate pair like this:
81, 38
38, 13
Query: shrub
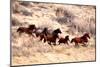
63, 15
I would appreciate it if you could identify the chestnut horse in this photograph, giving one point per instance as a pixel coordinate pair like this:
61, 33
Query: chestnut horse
51, 38
64, 40
28, 30
83, 39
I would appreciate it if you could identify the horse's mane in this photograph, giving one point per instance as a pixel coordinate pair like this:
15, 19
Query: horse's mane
45, 31
85, 36
56, 31
72, 40
67, 37
31, 27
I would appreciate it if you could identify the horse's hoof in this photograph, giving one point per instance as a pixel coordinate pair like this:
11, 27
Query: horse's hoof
54, 44
76, 46
49, 43
84, 45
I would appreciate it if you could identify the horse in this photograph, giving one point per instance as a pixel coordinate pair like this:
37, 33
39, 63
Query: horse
51, 38
32, 27
44, 32
28, 30
39, 31
64, 40
83, 39
56, 31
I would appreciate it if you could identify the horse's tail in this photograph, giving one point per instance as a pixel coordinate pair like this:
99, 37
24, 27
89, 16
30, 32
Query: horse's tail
18, 29
72, 40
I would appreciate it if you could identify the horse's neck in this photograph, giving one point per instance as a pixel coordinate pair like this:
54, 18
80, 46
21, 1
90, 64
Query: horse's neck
53, 32
55, 36
66, 39
83, 37
72, 40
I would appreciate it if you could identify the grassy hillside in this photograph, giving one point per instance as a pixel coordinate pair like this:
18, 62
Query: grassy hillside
73, 20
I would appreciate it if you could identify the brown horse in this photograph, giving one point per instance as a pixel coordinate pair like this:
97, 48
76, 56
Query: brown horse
64, 40
28, 30
46, 32
51, 38
83, 39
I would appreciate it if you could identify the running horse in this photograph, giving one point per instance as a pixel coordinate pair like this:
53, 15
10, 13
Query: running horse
83, 39
51, 38
41, 33
64, 40
28, 30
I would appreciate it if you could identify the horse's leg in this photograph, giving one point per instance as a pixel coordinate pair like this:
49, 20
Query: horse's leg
20, 33
59, 43
67, 43
76, 45
37, 35
84, 45
49, 42
54, 44
29, 34
32, 35
44, 40
41, 37
50, 45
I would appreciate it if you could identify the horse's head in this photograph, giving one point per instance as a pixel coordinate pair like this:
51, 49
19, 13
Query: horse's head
45, 29
87, 35
58, 31
31, 27
67, 37
72, 40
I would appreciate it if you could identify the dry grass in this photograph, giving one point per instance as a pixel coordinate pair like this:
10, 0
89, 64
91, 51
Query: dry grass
73, 20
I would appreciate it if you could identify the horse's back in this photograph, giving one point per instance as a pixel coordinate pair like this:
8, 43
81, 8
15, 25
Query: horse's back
61, 40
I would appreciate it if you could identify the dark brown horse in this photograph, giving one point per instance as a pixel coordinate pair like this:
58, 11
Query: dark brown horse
51, 38
64, 40
26, 30
44, 33
83, 39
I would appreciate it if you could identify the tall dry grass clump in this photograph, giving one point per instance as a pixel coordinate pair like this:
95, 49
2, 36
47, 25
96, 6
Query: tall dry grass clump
81, 20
